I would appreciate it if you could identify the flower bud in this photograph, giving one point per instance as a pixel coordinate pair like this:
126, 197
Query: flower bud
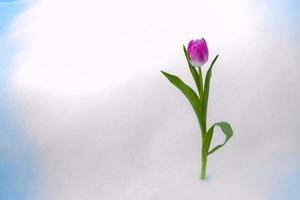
198, 52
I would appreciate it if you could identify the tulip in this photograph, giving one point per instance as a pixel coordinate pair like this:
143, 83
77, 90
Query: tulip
197, 56
198, 52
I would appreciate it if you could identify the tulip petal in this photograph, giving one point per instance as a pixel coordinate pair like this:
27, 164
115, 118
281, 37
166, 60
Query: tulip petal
190, 45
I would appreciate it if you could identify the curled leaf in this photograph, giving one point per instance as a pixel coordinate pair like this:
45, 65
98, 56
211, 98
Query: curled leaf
227, 131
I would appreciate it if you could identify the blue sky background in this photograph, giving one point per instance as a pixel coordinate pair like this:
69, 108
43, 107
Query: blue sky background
289, 187
286, 12
18, 164
18, 168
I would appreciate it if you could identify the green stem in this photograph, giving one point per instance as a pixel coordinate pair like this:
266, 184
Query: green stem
200, 83
204, 162
202, 123
203, 169
203, 129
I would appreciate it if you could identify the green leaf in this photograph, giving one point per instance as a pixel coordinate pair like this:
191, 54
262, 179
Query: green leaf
226, 129
194, 73
188, 92
206, 88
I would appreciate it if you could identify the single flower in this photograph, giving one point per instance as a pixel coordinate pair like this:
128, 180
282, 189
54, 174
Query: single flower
198, 52
197, 55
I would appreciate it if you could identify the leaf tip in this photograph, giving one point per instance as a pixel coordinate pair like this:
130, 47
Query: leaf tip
164, 73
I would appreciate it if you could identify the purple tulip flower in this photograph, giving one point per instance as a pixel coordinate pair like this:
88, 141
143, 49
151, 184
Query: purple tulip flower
198, 52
